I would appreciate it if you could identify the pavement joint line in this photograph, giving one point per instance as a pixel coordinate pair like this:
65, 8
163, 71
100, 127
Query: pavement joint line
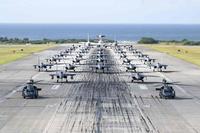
150, 126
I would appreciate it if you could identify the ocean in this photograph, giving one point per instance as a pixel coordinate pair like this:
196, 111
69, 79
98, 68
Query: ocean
122, 32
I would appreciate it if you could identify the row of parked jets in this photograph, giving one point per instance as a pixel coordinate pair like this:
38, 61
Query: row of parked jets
99, 60
75, 54
166, 90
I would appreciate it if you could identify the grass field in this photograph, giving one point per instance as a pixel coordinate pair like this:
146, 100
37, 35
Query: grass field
9, 53
188, 53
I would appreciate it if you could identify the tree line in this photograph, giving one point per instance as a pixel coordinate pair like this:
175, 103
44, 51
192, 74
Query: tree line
149, 40
6, 40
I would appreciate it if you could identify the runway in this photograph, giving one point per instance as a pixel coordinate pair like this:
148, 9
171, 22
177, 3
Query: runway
100, 102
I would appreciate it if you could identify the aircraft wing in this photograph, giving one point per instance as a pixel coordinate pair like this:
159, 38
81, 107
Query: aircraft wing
152, 66
164, 66
69, 74
48, 65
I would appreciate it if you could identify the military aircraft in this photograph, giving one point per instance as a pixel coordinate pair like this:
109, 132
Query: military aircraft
79, 56
141, 55
100, 37
166, 91
99, 67
54, 59
135, 51
84, 50
30, 90
70, 67
130, 48
98, 60
115, 43
60, 75
123, 55
137, 77
131, 67
121, 52
77, 60
147, 60
99, 55
157, 66
43, 66
61, 54
126, 61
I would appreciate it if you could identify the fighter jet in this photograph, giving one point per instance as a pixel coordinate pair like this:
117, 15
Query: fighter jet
77, 60
43, 66
141, 55
98, 60
136, 51
60, 75
123, 55
54, 59
99, 67
157, 66
126, 61
70, 67
131, 67
99, 55
147, 60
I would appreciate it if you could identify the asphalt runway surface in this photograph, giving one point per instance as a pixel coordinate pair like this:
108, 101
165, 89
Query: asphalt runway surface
100, 102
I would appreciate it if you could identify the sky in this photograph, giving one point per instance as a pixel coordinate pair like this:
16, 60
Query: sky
101, 11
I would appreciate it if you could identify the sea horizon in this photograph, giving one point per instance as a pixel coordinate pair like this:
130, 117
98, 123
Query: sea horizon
121, 32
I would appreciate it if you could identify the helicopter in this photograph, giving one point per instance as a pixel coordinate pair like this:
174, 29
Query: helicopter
166, 91
137, 77
30, 90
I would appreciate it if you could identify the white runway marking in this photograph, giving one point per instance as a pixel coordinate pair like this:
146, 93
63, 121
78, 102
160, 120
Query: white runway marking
55, 87
35, 76
143, 87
